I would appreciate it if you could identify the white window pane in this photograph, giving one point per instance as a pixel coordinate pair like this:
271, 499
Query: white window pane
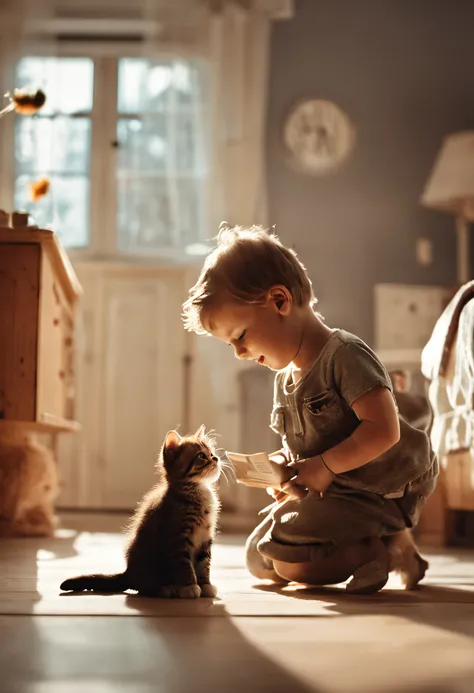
189, 144
145, 217
191, 195
143, 145
52, 145
146, 86
67, 82
158, 142
65, 209
160, 213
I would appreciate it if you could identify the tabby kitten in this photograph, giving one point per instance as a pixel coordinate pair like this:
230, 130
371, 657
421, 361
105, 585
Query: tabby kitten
171, 533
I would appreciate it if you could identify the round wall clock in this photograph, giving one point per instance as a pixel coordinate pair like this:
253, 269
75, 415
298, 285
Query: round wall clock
318, 137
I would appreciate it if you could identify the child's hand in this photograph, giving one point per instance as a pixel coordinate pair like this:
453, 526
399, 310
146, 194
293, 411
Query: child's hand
312, 473
287, 490
277, 494
279, 457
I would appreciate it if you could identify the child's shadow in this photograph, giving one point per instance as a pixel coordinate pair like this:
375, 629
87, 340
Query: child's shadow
448, 608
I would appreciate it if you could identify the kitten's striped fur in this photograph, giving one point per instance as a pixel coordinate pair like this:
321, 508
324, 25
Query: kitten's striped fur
171, 533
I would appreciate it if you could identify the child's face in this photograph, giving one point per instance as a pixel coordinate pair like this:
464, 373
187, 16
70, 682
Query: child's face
265, 334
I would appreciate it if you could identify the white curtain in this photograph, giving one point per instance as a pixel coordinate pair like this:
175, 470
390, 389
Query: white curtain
234, 37
239, 53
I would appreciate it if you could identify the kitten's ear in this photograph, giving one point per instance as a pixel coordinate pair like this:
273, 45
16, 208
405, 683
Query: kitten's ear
172, 441
201, 432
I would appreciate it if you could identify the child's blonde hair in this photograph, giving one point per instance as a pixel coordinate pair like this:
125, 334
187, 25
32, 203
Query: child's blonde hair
246, 263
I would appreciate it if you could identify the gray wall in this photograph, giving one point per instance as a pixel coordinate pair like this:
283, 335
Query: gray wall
404, 72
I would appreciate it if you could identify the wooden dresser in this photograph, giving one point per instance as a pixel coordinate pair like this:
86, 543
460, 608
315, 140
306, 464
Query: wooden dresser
38, 296
39, 292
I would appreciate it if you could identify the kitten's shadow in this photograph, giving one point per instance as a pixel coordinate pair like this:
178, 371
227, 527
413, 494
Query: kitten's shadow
157, 606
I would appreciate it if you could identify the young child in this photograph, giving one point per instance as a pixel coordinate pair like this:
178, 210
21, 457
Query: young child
359, 472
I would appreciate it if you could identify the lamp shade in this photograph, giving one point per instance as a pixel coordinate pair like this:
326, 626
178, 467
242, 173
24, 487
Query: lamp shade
450, 187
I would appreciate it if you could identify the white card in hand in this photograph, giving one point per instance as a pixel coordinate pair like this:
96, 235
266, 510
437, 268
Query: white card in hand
257, 470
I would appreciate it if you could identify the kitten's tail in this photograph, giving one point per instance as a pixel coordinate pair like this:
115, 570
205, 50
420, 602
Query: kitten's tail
99, 583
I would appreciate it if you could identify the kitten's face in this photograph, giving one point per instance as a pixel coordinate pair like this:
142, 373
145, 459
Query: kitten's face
190, 458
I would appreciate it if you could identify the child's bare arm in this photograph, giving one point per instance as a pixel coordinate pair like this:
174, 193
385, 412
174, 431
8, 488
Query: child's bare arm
378, 431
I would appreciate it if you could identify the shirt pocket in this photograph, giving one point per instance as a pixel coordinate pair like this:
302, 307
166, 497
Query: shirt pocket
329, 417
324, 407
277, 421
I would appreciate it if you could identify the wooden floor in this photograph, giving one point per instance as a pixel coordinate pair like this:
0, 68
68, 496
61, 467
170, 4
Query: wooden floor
249, 639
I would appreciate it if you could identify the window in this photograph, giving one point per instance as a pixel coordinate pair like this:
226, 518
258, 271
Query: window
138, 142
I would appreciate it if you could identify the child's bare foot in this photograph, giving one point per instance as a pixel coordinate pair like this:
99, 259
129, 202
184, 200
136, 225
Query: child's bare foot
415, 574
372, 575
369, 578
405, 559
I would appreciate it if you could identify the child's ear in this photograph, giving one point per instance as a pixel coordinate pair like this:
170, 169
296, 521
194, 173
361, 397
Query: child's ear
201, 432
281, 299
172, 442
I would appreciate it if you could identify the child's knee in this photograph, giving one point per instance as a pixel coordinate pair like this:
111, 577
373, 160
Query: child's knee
261, 570
257, 565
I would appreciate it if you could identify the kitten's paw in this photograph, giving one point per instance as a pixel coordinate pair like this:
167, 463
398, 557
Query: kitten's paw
166, 592
208, 590
188, 592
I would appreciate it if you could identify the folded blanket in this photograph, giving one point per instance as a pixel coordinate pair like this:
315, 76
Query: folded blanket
448, 363
435, 357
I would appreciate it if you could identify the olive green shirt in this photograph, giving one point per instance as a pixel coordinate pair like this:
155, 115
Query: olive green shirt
315, 414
